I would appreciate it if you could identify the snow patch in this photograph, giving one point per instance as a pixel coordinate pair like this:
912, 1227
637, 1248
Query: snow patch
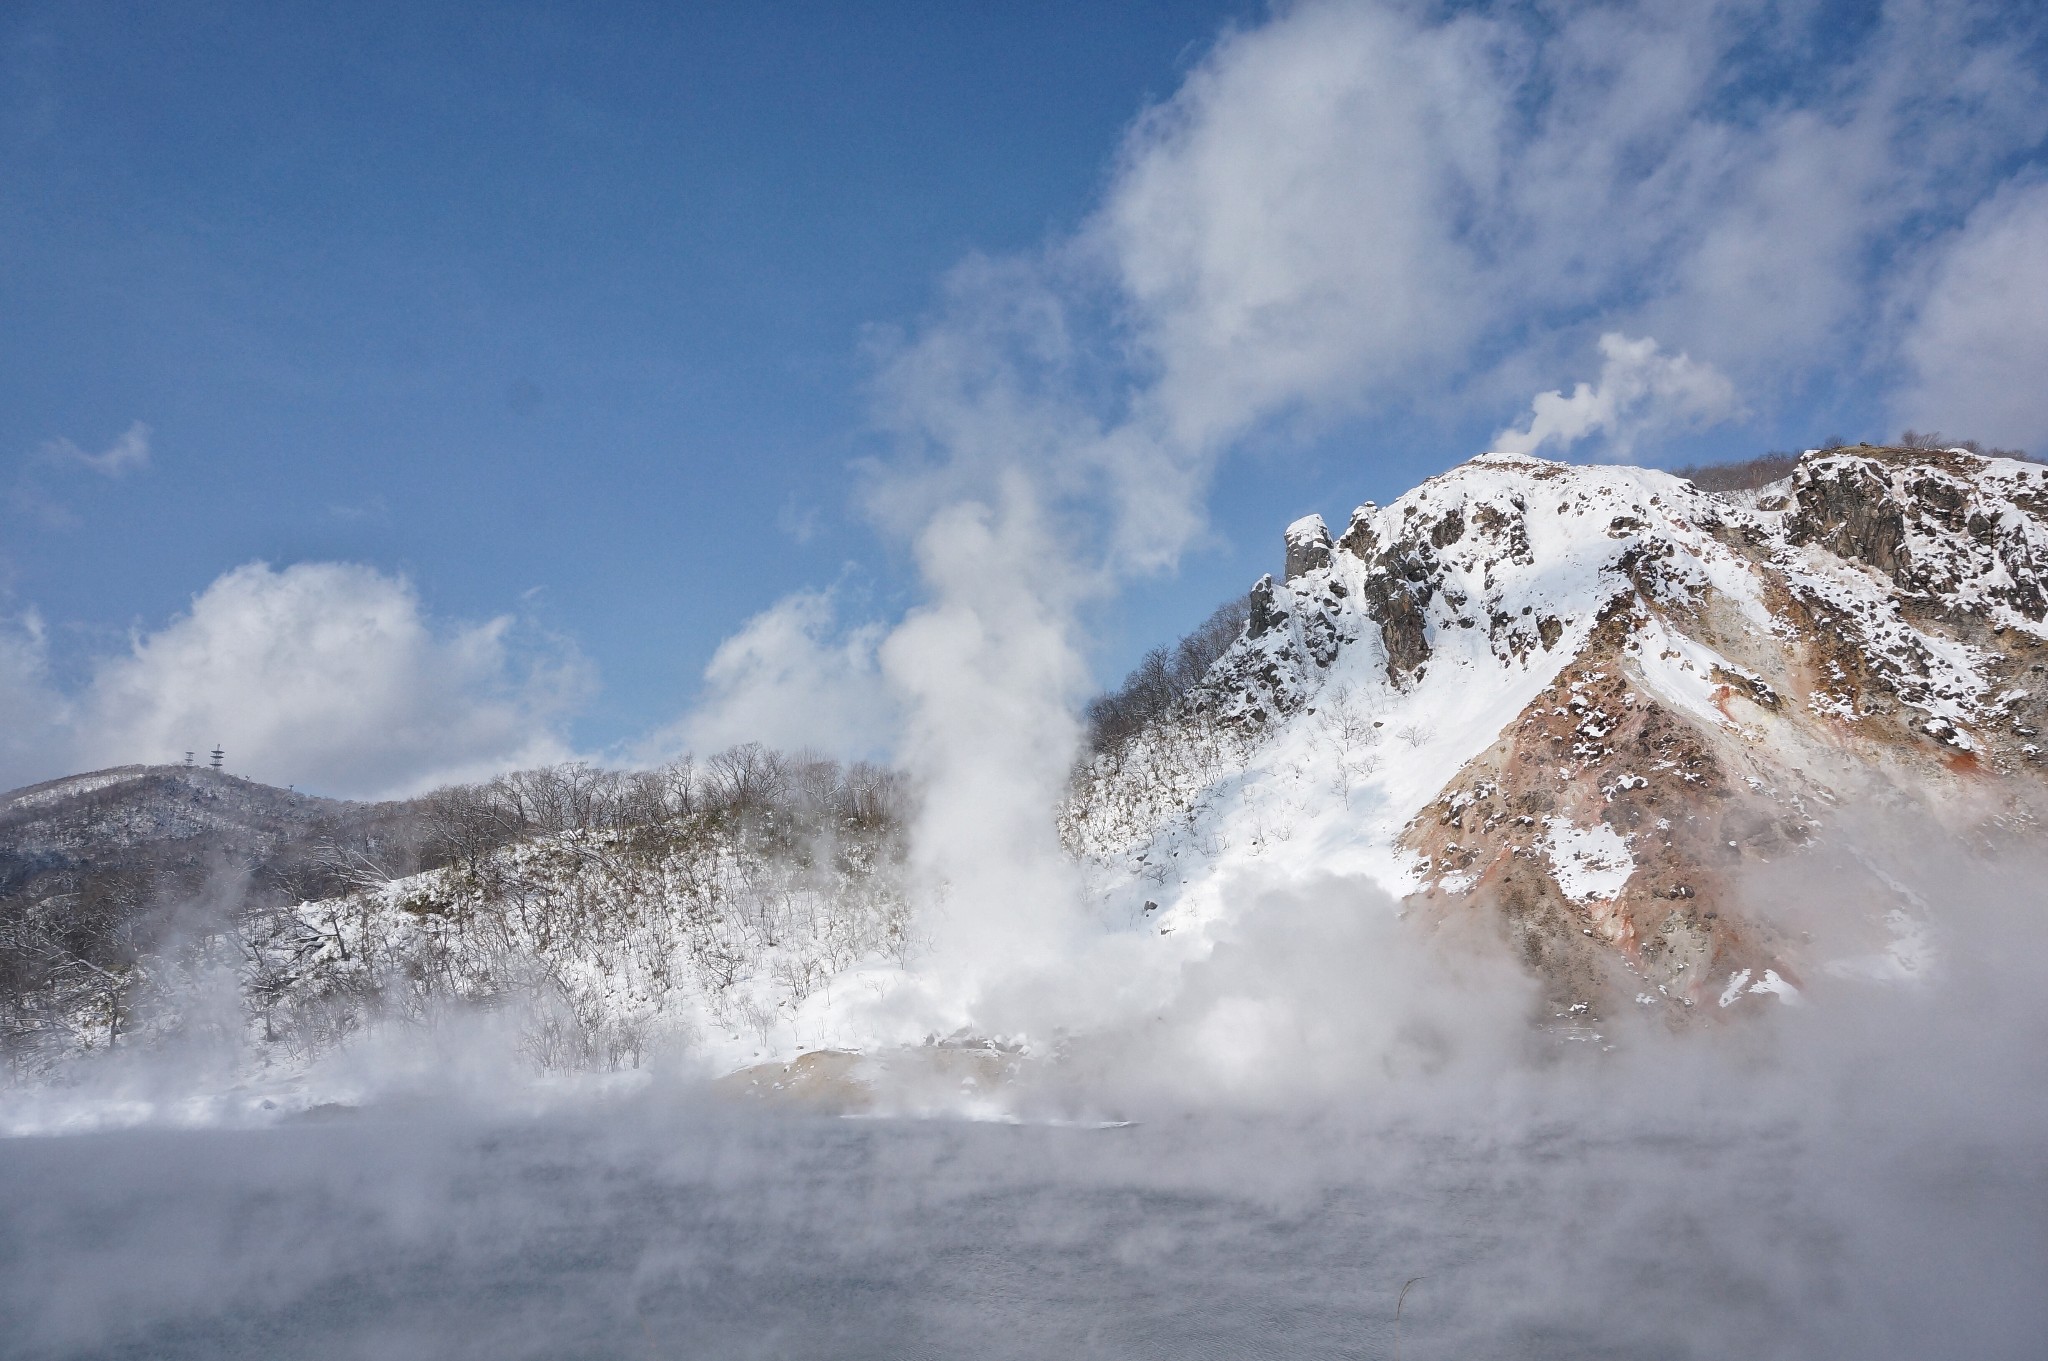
1770, 982
1739, 984
1589, 863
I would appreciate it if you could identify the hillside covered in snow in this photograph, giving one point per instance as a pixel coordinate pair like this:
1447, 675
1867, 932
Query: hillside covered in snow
604, 912
1588, 718
1587, 704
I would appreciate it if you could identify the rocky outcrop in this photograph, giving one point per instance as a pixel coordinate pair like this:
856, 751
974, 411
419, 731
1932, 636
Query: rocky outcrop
1398, 585
1951, 527
1846, 506
1308, 546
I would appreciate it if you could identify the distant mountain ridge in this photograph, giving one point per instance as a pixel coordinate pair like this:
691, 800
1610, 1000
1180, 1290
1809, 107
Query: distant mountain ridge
127, 806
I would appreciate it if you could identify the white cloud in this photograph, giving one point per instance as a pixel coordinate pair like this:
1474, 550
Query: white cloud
791, 678
1978, 348
1640, 390
129, 453
328, 676
1283, 226
37, 716
1359, 205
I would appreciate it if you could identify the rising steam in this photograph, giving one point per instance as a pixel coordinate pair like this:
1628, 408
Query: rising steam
1342, 207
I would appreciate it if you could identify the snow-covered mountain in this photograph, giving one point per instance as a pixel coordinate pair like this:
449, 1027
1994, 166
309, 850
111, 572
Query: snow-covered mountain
1588, 710
1581, 701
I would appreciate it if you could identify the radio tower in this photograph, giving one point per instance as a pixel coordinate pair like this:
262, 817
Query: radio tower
218, 756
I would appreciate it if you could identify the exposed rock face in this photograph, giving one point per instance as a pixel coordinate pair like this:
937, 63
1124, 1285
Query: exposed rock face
1397, 593
1941, 525
1308, 546
1585, 702
1846, 507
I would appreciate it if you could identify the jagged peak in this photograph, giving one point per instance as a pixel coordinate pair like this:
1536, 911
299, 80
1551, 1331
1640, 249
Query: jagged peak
1509, 561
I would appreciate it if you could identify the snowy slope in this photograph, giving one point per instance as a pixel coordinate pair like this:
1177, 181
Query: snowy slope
1583, 698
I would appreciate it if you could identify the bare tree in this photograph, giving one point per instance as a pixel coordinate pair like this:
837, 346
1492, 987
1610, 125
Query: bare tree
1163, 679
1348, 730
748, 778
1416, 734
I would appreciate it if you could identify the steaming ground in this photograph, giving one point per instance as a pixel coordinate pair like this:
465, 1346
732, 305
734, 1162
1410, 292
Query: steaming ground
661, 1229
1329, 1106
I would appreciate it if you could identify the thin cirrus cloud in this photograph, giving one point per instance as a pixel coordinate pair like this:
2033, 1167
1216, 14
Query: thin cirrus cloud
129, 453
328, 676
31, 494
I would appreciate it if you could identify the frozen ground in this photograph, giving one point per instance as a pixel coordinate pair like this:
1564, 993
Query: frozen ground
658, 1228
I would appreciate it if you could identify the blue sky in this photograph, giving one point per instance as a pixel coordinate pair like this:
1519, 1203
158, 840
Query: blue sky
509, 297
551, 344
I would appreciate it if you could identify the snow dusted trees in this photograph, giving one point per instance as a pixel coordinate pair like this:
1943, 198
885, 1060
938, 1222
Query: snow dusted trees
1154, 744
605, 906
615, 906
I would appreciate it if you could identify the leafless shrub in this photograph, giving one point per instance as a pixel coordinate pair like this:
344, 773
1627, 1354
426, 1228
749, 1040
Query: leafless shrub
1934, 439
1746, 475
1163, 678
1346, 727
1344, 720
760, 1017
